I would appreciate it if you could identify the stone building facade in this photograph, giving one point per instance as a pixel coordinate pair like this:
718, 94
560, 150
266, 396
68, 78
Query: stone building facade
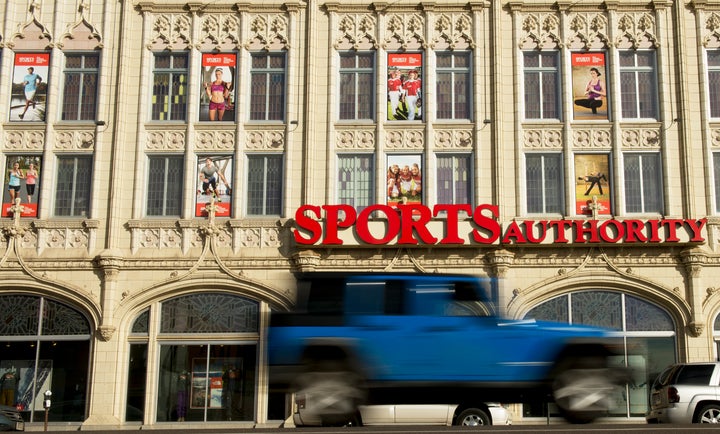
138, 273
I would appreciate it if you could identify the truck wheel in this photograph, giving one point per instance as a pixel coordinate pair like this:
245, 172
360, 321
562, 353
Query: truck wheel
582, 389
709, 414
331, 397
473, 417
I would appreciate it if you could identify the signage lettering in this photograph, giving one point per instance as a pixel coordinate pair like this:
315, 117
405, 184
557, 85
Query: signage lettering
451, 224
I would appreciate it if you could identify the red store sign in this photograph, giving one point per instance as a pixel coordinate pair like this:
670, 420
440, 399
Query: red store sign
453, 225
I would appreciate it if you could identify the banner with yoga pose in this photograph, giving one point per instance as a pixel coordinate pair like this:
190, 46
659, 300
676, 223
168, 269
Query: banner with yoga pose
590, 95
592, 185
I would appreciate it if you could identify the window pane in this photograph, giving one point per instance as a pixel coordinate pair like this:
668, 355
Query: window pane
164, 189
72, 194
597, 308
169, 97
643, 183
714, 93
541, 85
716, 173
267, 87
80, 87
264, 185
454, 179
544, 175
209, 313
355, 176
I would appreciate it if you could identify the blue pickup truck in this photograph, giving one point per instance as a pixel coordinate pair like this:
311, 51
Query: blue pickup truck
415, 338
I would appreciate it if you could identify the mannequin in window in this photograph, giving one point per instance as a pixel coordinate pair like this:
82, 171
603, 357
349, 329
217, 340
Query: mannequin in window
182, 395
8, 387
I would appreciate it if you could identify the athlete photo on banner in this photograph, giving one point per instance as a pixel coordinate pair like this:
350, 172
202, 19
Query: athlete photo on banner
592, 185
404, 179
29, 87
404, 87
213, 182
590, 94
217, 96
22, 180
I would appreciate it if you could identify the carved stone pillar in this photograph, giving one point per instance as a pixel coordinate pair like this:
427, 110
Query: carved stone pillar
500, 262
694, 259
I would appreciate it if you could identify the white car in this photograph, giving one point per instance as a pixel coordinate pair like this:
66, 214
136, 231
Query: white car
418, 414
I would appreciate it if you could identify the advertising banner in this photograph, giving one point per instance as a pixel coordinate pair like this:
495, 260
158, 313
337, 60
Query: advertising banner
214, 173
22, 180
404, 179
217, 96
592, 186
29, 87
590, 94
404, 90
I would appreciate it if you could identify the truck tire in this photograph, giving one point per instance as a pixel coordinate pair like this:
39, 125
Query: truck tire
332, 393
582, 388
709, 414
473, 417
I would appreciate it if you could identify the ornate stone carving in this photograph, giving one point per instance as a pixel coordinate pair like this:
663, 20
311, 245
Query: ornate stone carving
715, 137
170, 31
588, 31
711, 38
355, 139
165, 141
540, 31
405, 139
27, 140
542, 138
592, 138
306, 260
357, 32
454, 139
405, 31
81, 34
453, 31
215, 141
695, 329
268, 32
249, 237
265, 140
637, 30
106, 332
74, 140
641, 138
271, 237
220, 31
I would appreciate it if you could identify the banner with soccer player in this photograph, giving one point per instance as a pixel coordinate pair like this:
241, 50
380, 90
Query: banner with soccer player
404, 86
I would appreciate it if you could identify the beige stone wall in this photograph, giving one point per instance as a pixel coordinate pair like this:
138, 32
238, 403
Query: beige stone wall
117, 262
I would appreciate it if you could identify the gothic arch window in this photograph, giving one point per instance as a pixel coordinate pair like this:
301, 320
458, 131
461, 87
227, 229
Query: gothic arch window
206, 347
647, 332
45, 345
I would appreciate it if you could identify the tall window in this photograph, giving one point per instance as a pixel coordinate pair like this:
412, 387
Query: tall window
357, 73
544, 178
80, 89
267, 87
355, 180
643, 183
454, 175
713, 64
264, 196
72, 192
165, 185
454, 85
716, 173
170, 80
638, 84
542, 84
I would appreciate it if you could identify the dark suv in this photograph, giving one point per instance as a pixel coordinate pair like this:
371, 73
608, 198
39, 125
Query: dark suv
413, 338
686, 393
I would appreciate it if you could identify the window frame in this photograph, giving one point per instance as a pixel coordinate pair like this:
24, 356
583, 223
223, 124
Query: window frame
280, 189
82, 100
172, 72
541, 71
82, 213
356, 71
168, 158
636, 72
645, 196
468, 157
713, 92
454, 71
268, 72
544, 179
357, 192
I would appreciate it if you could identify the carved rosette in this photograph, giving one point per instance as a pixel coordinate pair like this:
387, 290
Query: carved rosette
149, 238
542, 139
24, 141
271, 140
355, 139
170, 238
215, 141
165, 141
249, 237
405, 139
592, 139
271, 237
454, 139
74, 141
641, 138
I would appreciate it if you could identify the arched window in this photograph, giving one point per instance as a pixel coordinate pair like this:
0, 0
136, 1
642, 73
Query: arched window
647, 330
44, 345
